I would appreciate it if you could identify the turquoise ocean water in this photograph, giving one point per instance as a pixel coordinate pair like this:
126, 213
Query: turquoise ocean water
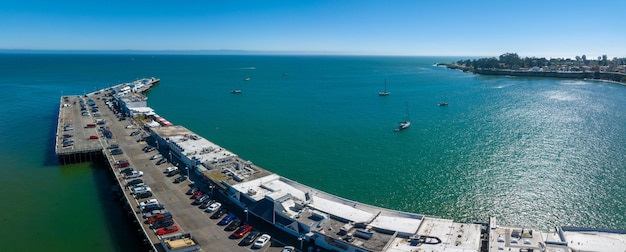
532, 152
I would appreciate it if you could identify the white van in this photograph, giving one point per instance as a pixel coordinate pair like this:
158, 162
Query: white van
170, 169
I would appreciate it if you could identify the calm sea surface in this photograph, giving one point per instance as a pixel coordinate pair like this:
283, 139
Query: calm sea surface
532, 152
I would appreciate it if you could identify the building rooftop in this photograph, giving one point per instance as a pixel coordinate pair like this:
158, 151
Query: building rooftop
359, 224
584, 239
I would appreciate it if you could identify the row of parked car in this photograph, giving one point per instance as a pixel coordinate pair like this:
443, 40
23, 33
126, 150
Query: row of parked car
229, 220
156, 216
160, 220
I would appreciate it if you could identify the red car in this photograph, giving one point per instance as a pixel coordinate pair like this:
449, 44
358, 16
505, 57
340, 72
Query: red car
122, 164
167, 230
93, 137
197, 194
242, 231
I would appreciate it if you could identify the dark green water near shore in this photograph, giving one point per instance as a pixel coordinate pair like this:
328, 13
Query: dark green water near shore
533, 152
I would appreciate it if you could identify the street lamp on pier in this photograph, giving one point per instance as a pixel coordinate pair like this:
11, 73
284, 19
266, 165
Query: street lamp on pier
245, 210
301, 239
211, 186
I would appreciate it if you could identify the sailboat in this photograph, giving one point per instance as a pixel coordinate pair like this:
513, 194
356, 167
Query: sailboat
407, 122
384, 93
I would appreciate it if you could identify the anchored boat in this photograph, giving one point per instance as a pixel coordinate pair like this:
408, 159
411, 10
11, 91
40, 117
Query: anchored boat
407, 122
384, 93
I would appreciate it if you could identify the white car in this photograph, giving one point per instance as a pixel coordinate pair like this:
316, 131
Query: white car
288, 249
134, 174
170, 169
148, 202
157, 156
141, 189
213, 207
259, 243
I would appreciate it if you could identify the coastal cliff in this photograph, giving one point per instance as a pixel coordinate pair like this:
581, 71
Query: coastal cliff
511, 64
607, 76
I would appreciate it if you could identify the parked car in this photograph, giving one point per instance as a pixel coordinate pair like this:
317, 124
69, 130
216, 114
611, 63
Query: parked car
151, 208
197, 194
147, 203
117, 152
156, 156
227, 219
134, 174
213, 207
219, 213
92, 137
201, 199
122, 164
250, 238
174, 172
288, 249
134, 182
235, 224
113, 146
192, 190
161, 161
206, 204
163, 223
242, 231
159, 216
154, 213
143, 195
167, 230
180, 179
140, 189
259, 243
169, 169
127, 171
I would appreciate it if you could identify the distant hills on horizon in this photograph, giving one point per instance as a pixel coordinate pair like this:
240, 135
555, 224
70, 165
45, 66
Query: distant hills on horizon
208, 52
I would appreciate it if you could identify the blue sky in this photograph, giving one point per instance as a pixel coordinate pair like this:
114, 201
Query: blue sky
549, 28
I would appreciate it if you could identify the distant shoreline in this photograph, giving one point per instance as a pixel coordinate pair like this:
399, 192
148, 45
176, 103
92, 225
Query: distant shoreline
612, 77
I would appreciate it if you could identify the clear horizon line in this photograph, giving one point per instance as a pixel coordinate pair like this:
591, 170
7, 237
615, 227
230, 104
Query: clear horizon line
245, 52
220, 52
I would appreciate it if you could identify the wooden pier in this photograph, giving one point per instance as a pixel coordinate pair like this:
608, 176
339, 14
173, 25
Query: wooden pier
89, 144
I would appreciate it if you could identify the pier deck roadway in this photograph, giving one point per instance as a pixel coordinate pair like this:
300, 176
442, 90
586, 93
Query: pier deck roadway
70, 114
189, 218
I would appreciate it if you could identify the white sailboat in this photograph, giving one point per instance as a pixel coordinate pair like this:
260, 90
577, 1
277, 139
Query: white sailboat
407, 122
384, 93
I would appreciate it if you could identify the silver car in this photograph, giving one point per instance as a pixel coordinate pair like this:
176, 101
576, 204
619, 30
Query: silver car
134, 174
